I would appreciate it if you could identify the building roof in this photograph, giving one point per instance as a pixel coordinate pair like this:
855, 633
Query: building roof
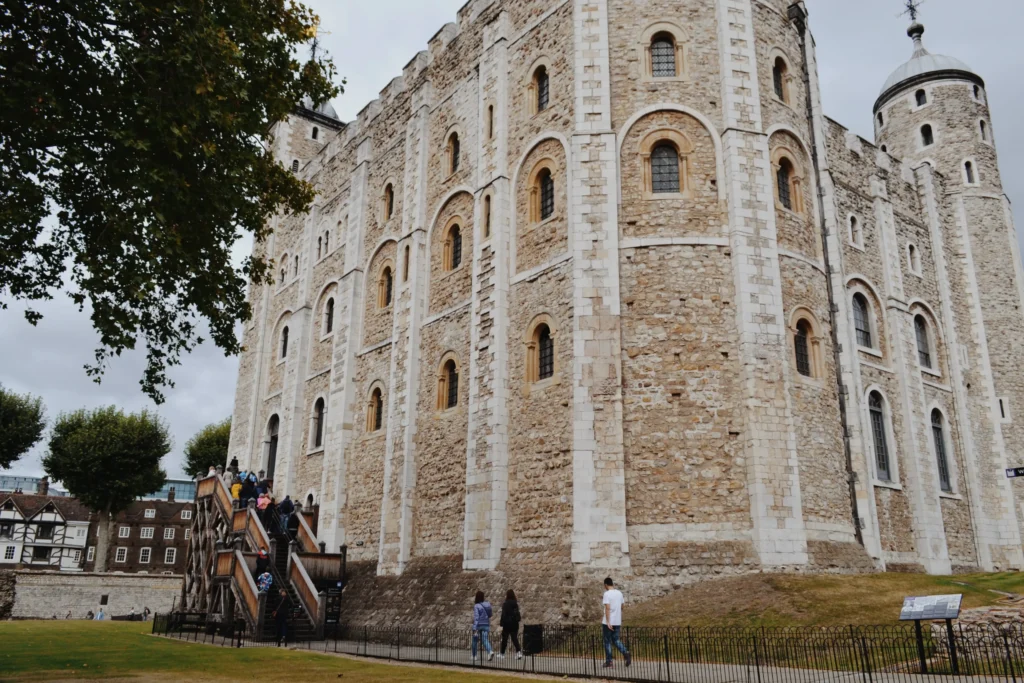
30, 505
923, 65
325, 108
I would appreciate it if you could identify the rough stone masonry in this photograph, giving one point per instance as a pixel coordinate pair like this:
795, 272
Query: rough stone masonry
595, 287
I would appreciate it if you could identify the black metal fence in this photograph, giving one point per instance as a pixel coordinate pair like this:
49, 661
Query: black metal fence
681, 655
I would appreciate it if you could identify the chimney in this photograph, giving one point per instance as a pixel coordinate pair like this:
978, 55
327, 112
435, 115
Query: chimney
170, 495
43, 487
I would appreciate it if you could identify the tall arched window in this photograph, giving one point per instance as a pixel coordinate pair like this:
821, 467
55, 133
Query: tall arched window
913, 259
296, 265
939, 436
385, 288
665, 169
329, 316
375, 411
876, 407
487, 216
881, 119
448, 385
453, 248
969, 172
319, 247
454, 153
984, 131
490, 122
295, 165
273, 427
779, 74
389, 201
316, 133
540, 354
405, 264
924, 347
547, 194
327, 242
862, 320
663, 56
801, 343
921, 97
318, 423
927, 136
856, 234
284, 343
783, 181
542, 85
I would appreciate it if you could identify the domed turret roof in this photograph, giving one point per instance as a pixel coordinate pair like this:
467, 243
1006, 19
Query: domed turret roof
325, 108
923, 65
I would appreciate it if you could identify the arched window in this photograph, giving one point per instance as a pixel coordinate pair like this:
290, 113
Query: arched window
273, 427
801, 343
913, 259
547, 194
927, 136
318, 423
487, 216
663, 56
296, 265
984, 131
284, 274
881, 119
375, 411
977, 93
862, 321
405, 265
540, 354
315, 134
939, 436
924, 347
389, 201
284, 343
327, 242
856, 233
542, 85
969, 172
490, 122
921, 97
885, 149
295, 165
385, 288
783, 182
779, 74
665, 169
453, 248
876, 408
309, 501
448, 385
319, 247
329, 316
454, 152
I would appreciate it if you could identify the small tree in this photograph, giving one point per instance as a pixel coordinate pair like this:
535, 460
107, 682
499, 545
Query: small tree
208, 447
22, 419
107, 459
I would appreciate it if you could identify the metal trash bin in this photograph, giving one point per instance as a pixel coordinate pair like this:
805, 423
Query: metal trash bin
533, 639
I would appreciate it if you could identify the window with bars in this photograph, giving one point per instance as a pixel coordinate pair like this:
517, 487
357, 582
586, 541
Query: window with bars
862, 320
318, 423
543, 84
377, 408
389, 285
663, 56
452, 377
779, 71
783, 178
454, 152
665, 169
939, 434
924, 351
877, 409
455, 237
801, 345
9, 552
90, 554
329, 316
547, 194
545, 353
295, 166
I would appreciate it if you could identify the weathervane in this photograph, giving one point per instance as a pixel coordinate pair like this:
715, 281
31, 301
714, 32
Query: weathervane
315, 33
913, 7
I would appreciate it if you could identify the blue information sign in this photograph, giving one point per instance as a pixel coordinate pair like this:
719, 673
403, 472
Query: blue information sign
1015, 472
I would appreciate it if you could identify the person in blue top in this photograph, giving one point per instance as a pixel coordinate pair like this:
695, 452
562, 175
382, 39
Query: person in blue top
482, 614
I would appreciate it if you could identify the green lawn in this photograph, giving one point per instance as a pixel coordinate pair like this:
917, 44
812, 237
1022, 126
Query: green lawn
92, 650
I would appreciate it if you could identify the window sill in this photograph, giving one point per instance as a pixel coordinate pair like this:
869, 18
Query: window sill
795, 214
315, 451
281, 361
879, 484
950, 495
779, 100
446, 412
540, 386
541, 224
814, 382
649, 79
652, 196
870, 351
451, 273
854, 245
329, 335
931, 372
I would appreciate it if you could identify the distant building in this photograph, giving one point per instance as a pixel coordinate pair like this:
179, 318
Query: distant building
13, 484
183, 489
42, 532
150, 537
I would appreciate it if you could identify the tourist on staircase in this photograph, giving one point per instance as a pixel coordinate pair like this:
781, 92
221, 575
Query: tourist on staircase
284, 511
293, 523
284, 607
236, 491
248, 491
264, 582
509, 622
482, 614
262, 561
262, 503
212, 472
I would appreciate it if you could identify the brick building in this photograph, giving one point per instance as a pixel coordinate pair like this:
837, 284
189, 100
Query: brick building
151, 536
595, 286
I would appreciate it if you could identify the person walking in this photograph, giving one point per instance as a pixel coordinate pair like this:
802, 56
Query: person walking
262, 561
100, 616
236, 489
509, 622
611, 623
280, 615
482, 614
262, 503
248, 492
264, 582
145, 613
284, 511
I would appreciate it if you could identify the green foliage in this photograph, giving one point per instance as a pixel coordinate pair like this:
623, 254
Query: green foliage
22, 419
106, 458
139, 124
208, 447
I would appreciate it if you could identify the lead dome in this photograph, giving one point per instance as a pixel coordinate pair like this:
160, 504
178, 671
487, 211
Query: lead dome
924, 66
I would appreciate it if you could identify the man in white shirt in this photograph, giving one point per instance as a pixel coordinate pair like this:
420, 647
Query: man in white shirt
611, 623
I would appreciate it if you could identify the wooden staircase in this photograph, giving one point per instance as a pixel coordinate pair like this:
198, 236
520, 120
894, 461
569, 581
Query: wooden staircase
221, 562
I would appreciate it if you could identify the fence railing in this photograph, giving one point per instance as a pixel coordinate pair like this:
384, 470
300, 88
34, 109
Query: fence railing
680, 655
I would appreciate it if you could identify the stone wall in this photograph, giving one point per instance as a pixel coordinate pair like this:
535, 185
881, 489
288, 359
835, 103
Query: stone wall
7, 581
40, 595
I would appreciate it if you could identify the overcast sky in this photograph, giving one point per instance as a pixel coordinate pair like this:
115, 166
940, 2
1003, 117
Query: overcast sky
858, 45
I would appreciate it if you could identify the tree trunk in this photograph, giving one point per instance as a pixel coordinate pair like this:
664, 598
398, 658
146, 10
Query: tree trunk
102, 539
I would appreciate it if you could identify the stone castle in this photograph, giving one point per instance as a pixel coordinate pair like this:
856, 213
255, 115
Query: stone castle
596, 287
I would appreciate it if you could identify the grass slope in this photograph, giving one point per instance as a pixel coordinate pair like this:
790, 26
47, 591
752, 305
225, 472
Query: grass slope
92, 650
829, 600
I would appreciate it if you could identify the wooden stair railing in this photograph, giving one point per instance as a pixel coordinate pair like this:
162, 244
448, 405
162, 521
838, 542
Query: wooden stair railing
314, 604
305, 538
252, 600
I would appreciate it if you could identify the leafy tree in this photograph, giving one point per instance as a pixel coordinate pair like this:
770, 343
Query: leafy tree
208, 447
107, 459
132, 158
22, 419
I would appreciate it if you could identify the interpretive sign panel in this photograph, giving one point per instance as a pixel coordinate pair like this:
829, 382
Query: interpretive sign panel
931, 607
1015, 472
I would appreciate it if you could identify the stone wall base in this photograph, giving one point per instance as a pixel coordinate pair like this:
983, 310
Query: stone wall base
43, 595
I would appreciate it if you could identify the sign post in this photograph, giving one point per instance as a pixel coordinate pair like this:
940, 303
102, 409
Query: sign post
933, 608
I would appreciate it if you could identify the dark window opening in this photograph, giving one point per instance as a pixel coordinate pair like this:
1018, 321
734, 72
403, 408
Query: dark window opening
969, 170
803, 353
924, 352
779, 78
545, 353
862, 320
295, 166
665, 169
921, 97
284, 343
316, 133
783, 176
543, 89
452, 375
877, 410
939, 434
456, 238
378, 410
663, 56
455, 151
273, 427
45, 531
41, 553
547, 195
927, 136
329, 321
318, 423
389, 284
